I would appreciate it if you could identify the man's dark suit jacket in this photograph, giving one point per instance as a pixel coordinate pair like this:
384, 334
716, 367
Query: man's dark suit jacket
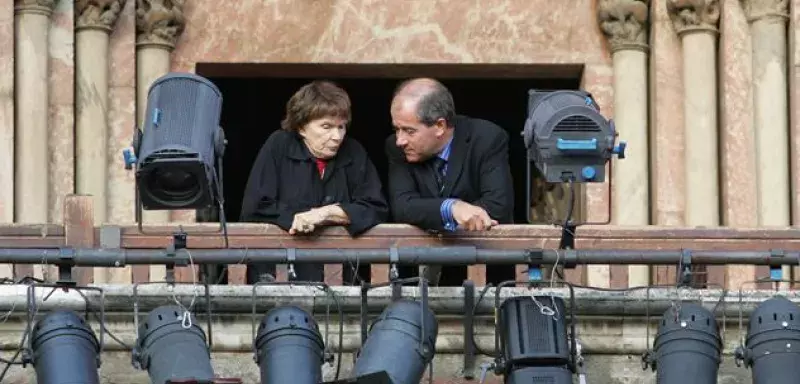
477, 173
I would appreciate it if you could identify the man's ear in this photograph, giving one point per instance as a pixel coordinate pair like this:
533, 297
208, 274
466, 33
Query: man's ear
441, 126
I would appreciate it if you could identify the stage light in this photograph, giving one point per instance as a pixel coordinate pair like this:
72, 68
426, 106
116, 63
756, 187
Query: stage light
772, 348
65, 350
687, 347
289, 347
172, 348
176, 150
400, 345
567, 138
534, 342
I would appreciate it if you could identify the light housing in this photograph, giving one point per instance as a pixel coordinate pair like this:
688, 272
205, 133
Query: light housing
289, 347
567, 138
177, 151
400, 345
172, 348
687, 347
772, 349
64, 350
534, 342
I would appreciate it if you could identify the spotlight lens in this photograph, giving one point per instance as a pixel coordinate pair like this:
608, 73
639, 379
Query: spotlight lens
175, 182
173, 186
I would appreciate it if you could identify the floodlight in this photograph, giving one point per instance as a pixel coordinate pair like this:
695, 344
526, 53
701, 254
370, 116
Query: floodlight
534, 342
400, 345
772, 348
687, 348
65, 350
172, 348
178, 151
567, 138
289, 347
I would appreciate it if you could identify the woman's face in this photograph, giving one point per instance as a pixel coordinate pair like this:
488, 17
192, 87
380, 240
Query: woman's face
324, 136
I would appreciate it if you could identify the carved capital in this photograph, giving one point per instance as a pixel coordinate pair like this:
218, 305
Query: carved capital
42, 7
694, 15
97, 14
625, 23
765, 9
159, 22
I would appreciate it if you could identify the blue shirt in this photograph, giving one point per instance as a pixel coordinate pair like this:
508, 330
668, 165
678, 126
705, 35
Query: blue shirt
446, 209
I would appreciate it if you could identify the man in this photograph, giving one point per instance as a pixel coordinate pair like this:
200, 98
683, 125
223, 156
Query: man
447, 172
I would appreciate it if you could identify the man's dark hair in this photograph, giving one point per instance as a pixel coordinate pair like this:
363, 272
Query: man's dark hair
435, 101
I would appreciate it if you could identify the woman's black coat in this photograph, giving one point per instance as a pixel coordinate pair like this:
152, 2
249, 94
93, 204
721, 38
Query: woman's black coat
285, 181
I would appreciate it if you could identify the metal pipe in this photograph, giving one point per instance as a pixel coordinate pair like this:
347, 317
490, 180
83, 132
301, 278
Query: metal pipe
405, 255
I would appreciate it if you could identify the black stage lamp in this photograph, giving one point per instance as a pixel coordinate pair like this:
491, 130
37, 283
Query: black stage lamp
400, 345
567, 138
772, 348
289, 347
534, 342
172, 348
65, 350
180, 145
687, 348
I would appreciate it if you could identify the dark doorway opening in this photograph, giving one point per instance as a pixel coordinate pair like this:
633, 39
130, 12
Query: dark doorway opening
255, 95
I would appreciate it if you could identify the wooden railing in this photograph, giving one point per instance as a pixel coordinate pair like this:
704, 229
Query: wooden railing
79, 230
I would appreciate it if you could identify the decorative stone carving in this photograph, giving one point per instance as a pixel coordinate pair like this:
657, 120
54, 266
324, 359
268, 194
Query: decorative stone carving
97, 14
694, 15
625, 23
44, 7
761, 9
159, 22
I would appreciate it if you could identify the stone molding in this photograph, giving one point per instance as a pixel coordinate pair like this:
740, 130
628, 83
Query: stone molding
159, 23
625, 23
765, 9
694, 15
97, 14
41, 7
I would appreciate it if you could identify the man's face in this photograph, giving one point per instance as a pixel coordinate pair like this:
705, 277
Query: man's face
418, 141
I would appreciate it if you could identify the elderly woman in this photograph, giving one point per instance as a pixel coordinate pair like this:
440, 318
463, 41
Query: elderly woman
310, 174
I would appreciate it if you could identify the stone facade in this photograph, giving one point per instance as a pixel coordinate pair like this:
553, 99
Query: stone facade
701, 89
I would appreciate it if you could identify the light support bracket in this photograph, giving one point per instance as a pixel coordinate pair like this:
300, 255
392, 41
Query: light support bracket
66, 255
684, 274
394, 274
776, 270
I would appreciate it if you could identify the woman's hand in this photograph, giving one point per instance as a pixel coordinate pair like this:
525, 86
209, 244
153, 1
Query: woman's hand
306, 222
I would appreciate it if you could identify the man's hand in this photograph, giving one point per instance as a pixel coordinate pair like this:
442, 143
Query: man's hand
306, 222
471, 217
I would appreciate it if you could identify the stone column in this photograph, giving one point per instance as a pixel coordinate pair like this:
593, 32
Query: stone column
7, 124
31, 93
31, 70
159, 24
94, 22
768, 20
625, 24
696, 22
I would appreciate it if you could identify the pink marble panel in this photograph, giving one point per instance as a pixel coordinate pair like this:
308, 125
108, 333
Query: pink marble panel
62, 100
344, 31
